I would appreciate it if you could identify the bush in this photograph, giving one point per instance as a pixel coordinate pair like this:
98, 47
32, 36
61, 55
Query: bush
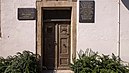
94, 63
25, 62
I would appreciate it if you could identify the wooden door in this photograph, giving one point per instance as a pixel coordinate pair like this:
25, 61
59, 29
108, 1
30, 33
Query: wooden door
64, 45
56, 45
49, 45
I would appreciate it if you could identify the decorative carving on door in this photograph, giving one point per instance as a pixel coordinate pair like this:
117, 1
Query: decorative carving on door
64, 45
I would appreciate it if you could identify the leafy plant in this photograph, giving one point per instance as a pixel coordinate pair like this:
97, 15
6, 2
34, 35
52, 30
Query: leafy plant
25, 62
91, 62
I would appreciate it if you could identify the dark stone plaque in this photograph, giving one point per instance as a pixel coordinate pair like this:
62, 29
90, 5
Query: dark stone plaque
86, 11
26, 13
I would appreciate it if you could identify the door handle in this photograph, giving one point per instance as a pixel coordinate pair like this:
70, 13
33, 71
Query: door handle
55, 43
68, 34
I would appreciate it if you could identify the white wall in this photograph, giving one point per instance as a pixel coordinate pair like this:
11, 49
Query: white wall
16, 35
124, 25
100, 36
103, 35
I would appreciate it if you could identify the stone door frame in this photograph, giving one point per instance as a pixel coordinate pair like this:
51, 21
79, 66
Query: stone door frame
39, 23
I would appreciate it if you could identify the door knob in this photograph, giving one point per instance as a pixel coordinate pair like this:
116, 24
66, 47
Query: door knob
55, 43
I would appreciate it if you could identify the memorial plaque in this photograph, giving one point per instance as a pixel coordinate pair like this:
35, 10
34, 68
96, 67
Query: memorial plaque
86, 11
26, 13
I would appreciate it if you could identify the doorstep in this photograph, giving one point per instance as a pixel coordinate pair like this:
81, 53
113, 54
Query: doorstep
57, 71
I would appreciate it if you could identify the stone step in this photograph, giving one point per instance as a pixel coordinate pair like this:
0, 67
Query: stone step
57, 71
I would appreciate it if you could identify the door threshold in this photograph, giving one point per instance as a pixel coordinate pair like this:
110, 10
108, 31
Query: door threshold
57, 71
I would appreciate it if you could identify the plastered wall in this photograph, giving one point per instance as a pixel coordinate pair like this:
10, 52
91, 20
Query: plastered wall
124, 29
16, 35
104, 35
100, 36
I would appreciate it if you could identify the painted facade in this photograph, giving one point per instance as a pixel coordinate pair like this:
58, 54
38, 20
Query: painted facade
108, 34
16, 35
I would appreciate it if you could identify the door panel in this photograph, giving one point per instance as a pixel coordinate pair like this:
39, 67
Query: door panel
49, 46
64, 46
56, 50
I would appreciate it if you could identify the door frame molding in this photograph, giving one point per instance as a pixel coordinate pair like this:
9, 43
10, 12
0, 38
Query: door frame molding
39, 24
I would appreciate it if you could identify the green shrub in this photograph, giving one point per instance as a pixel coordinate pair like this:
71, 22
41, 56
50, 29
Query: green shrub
25, 62
94, 63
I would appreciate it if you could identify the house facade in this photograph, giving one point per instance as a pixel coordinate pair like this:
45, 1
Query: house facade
58, 29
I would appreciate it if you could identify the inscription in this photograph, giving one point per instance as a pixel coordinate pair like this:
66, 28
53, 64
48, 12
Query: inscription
26, 13
86, 14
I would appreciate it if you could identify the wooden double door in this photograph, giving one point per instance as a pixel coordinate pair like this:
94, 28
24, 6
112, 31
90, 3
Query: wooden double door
56, 45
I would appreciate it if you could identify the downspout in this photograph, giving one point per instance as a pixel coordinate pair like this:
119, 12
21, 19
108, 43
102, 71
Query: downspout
119, 41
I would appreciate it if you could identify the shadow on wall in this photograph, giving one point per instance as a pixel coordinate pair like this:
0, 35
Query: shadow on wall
126, 3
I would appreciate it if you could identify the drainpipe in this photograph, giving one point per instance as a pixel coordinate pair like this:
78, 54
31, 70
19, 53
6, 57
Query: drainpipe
119, 41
